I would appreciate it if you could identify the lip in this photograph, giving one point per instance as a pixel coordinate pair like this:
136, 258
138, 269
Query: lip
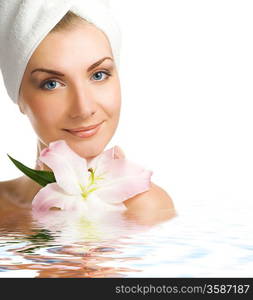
84, 128
84, 132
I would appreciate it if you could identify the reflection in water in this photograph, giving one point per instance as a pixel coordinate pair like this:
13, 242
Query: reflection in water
66, 245
191, 244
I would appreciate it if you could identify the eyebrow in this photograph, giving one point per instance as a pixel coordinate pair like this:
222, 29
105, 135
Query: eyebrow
93, 66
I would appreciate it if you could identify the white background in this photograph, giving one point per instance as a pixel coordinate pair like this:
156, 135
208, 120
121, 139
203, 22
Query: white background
186, 77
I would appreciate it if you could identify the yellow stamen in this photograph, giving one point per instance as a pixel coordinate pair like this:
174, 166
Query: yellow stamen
92, 181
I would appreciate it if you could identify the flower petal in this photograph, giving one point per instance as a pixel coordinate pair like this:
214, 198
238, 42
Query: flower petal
98, 207
52, 195
118, 152
117, 168
123, 181
101, 161
102, 164
69, 168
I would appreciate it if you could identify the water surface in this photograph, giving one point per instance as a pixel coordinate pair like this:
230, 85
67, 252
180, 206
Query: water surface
200, 241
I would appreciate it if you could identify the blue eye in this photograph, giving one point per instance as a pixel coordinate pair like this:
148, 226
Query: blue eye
49, 85
99, 73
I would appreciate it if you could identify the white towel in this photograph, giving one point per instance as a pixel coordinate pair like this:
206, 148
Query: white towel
25, 23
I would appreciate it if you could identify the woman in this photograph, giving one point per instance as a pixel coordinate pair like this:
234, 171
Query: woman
70, 83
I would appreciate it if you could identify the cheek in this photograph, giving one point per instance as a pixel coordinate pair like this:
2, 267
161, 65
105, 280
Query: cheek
113, 108
42, 115
112, 104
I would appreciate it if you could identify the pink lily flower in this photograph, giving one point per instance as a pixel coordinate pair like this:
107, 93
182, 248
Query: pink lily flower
93, 187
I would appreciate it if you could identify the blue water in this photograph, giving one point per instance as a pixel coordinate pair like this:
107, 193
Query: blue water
202, 240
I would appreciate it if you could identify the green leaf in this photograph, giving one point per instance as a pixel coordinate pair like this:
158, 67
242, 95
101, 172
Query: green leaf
41, 177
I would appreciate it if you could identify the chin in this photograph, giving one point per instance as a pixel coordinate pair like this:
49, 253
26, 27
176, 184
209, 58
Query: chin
92, 146
87, 151
89, 148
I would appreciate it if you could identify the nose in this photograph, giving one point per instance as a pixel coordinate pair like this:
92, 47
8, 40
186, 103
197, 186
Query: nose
83, 103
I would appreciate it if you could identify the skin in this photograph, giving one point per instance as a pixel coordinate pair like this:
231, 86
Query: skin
79, 98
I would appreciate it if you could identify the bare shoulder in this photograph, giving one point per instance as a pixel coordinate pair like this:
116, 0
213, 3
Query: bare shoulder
4, 200
7, 194
151, 207
12, 216
156, 198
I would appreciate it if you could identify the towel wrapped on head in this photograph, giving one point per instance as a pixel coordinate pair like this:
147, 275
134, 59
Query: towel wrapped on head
25, 23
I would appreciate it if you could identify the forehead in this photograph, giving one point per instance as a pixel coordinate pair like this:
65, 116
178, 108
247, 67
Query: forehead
83, 42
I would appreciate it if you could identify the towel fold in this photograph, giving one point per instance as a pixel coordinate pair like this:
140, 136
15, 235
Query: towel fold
25, 23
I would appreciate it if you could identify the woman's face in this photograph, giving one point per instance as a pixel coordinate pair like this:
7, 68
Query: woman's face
75, 95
